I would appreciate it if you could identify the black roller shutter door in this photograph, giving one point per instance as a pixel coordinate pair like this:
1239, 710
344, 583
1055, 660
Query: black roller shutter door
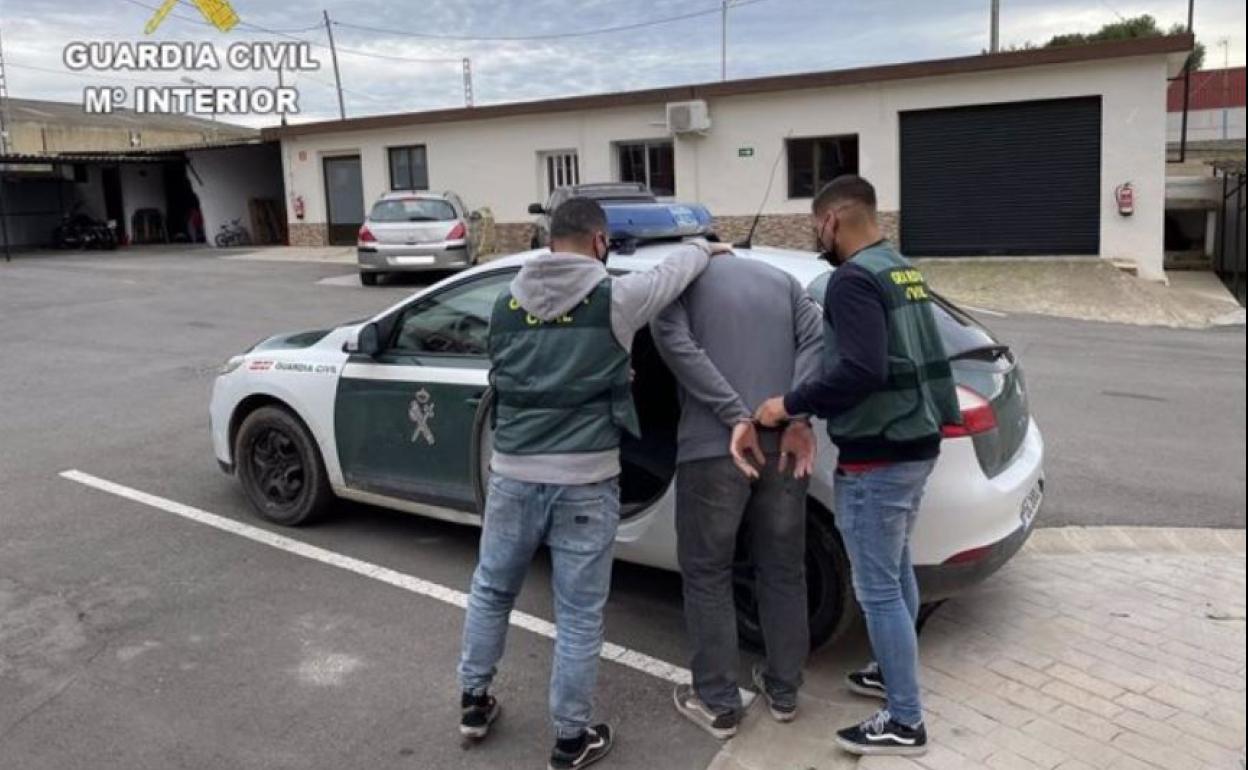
1021, 178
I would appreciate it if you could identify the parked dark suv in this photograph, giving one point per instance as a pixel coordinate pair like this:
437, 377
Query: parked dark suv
603, 192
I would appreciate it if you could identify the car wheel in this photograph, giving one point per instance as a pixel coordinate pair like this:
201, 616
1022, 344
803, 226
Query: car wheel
829, 592
280, 467
369, 279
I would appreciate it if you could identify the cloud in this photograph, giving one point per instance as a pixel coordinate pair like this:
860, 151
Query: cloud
764, 37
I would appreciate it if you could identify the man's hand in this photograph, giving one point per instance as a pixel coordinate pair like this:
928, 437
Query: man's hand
716, 248
745, 439
771, 412
798, 442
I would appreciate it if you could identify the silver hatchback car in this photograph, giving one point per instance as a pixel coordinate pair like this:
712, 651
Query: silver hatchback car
409, 230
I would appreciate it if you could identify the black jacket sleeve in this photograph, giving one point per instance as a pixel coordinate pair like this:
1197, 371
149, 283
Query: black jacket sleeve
855, 308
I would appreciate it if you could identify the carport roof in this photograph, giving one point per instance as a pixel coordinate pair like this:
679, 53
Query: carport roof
57, 158
135, 155
1116, 49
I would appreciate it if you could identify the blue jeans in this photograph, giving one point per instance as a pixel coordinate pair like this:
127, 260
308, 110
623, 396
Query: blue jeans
875, 512
578, 524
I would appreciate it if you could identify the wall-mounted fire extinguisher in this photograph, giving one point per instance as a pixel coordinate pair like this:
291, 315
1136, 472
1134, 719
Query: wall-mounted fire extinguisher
300, 207
1124, 194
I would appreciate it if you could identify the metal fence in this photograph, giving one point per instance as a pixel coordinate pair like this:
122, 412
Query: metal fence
1229, 256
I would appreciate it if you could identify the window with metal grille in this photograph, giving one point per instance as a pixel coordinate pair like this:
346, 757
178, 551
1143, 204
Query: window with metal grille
651, 163
409, 168
560, 168
815, 161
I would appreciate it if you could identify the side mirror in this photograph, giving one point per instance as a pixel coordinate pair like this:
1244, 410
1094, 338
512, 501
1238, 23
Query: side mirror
536, 209
367, 341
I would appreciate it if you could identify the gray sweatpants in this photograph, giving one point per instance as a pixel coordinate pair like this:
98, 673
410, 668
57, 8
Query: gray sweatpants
714, 501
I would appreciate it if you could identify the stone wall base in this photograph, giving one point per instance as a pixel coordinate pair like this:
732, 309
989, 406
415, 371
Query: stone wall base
789, 231
309, 234
510, 237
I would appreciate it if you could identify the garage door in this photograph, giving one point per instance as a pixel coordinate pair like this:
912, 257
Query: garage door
1020, 178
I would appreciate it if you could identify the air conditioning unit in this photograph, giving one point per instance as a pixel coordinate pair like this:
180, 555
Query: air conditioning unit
688, 117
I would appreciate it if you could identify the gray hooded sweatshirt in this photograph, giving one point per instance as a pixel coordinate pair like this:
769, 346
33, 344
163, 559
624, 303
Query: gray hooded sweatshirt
550, 285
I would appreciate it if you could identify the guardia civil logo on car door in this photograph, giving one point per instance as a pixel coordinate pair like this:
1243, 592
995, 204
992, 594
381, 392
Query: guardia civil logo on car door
421, 413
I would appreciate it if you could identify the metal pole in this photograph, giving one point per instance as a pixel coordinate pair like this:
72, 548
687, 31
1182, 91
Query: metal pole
994, 38
281, 85
723, 40
329, 31
1187, 86
1226, 86
468, 100
1220, 258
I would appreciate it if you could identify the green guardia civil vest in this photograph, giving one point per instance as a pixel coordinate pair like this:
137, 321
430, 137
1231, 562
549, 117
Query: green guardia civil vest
919, 396
561, 386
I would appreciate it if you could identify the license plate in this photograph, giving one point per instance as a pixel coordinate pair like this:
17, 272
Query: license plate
1031, 505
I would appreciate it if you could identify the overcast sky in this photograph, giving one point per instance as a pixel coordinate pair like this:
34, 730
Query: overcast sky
764, 37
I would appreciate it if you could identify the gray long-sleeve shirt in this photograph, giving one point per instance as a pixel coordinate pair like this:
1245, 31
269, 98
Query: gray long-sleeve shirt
550, 285
742, 332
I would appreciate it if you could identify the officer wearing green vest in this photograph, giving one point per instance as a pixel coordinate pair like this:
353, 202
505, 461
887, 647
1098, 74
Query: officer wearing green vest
885, 390
559, 351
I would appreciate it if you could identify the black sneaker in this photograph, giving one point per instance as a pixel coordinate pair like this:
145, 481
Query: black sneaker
722, 726
594, 744
780, 711
479, 712
869, 681
881, 734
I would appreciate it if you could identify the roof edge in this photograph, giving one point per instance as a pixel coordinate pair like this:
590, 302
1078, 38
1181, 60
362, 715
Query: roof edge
1114, 49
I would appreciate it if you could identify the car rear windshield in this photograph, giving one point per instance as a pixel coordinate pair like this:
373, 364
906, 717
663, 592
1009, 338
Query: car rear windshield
620, 193
412, 210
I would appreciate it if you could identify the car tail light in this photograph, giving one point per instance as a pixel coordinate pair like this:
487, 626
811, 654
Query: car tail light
977, 415
970, 556
366, 235
457, 232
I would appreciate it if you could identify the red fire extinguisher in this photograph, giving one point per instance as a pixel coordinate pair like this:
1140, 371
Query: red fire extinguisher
1125, 195
300, 207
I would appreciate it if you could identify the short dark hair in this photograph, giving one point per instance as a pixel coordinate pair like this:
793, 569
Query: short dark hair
846, 188
577, 218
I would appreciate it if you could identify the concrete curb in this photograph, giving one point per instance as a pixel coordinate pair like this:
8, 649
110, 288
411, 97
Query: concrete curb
1154, 540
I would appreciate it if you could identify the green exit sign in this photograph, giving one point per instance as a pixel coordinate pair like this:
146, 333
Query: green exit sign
745, 152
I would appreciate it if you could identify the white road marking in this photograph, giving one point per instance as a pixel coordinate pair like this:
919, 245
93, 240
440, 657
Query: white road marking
624, 656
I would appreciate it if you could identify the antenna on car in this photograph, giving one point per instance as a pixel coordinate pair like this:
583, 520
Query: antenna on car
749, 237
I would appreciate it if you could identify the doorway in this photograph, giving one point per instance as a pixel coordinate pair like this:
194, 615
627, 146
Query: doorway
344, 198
114, 209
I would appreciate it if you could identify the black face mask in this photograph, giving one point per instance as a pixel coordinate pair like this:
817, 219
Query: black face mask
826, 253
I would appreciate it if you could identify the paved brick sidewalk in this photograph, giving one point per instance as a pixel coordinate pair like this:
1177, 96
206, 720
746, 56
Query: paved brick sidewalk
1068, 659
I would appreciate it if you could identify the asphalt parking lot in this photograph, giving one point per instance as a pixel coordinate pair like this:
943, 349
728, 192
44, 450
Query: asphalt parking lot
134, 638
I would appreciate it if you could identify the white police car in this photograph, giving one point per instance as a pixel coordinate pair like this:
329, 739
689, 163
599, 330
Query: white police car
394, 412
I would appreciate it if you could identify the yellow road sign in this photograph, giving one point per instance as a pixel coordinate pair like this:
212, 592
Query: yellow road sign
218, 12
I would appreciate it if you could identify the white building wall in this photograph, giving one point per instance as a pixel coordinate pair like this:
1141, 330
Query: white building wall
226, 179
1207, 125
494, 162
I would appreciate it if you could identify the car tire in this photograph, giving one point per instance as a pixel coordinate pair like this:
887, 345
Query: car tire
370, 279
830, 596
280, 468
